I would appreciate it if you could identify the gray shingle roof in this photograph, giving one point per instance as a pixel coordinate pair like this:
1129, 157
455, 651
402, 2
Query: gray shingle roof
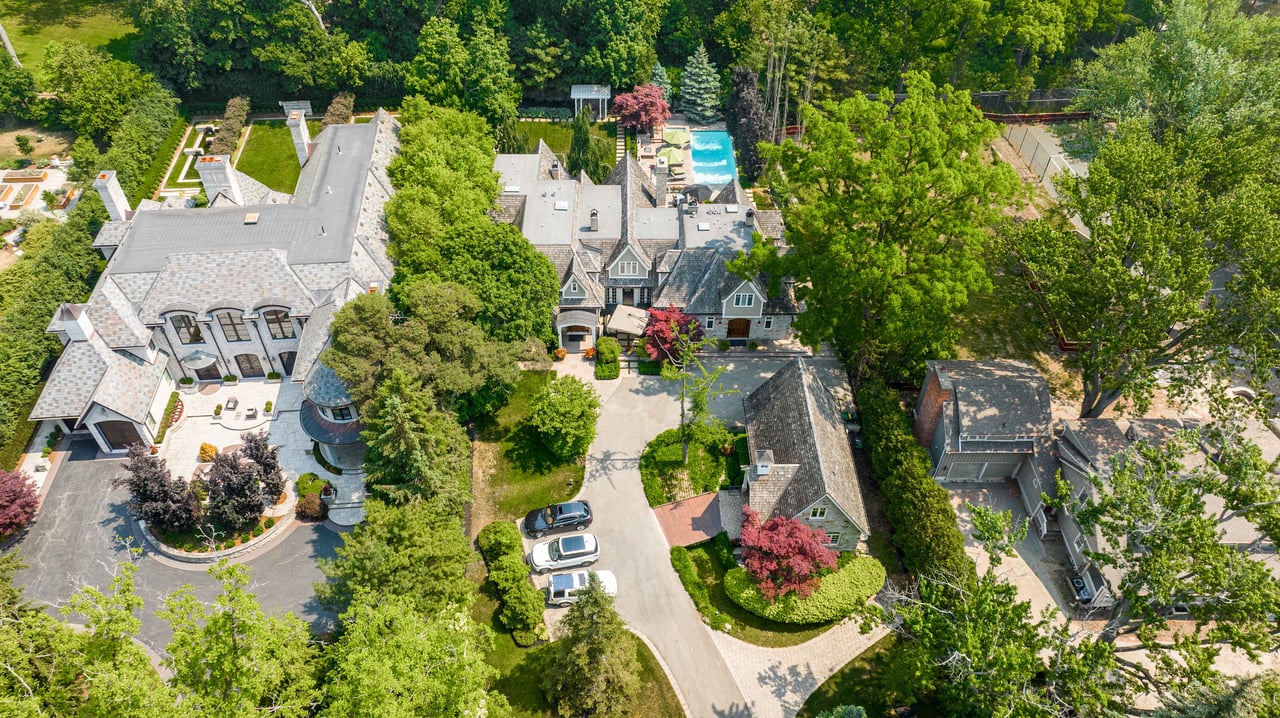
114, 318
111, 234
769, 223
794, 416
218, 279
1001, 398
315, 335
324, 388
90, 372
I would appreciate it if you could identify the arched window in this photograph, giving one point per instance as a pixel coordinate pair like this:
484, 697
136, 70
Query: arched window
184, 325
233, 327
278, 323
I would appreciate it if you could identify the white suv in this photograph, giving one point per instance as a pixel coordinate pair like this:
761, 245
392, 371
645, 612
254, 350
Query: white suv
563, 588
565, 552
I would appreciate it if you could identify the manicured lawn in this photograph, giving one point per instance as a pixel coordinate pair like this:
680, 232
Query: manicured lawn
524, 476
268, 155
559, 135
668, 478
747, 626
521, 669
100, 24
868, 681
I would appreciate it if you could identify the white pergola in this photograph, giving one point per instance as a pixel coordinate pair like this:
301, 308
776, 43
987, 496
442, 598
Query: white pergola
598, 95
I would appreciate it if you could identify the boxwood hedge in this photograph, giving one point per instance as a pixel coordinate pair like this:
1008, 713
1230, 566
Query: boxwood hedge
840, 595
522, 604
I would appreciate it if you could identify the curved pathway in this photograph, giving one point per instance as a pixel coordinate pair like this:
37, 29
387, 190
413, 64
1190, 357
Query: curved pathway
83, 529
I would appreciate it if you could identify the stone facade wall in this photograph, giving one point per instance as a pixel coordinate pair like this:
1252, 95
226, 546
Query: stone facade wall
834, 522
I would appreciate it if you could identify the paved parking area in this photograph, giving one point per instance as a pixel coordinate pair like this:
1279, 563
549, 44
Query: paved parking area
83, 530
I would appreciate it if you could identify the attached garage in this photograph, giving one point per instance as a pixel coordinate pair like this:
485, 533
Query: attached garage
119, 435
996, 468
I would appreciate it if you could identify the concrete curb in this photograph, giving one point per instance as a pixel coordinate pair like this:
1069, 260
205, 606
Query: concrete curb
675, 687
269, 536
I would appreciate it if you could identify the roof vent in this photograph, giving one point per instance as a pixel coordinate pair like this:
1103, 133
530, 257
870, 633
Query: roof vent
731, 209
251, 218
562, 205
704, 226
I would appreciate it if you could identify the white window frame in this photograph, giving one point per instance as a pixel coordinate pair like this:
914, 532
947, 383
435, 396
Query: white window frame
642, 295
574, 288
629, 269
768, 322
833, 538
1080, 544
818, 512
710, 323
611, 295
744, 299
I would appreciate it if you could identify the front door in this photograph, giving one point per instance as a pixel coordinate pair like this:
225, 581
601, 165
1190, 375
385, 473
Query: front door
209, 373
739, 328
286, 361
119, 435
250, 365
577, 339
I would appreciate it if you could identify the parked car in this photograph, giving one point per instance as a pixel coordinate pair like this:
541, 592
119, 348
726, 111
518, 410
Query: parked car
563, 588
574, 515
565, 552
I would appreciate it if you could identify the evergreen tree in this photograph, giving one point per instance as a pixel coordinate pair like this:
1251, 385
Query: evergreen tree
593, 670
415, 450
587, 152
745, 118
700, 88
659, 79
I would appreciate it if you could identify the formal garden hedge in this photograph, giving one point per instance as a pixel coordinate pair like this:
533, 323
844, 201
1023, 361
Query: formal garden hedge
841, 594
924, 523
522, 604
607, 353
696, 588
227, 136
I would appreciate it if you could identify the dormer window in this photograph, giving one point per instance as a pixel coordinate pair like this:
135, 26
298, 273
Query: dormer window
744, 300
278, 323
341, 414
629, 269
574, 287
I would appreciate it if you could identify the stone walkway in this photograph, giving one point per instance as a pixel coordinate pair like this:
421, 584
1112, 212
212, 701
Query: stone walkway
776, 681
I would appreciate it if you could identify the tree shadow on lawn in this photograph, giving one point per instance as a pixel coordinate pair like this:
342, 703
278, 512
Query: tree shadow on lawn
525, 450
36, 14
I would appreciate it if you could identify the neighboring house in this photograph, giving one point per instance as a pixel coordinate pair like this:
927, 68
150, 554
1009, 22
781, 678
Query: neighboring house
244, 287
802, 463
988, 421
624, 243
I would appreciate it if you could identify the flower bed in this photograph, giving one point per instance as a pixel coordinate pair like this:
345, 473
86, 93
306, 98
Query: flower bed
196, 543
840, 595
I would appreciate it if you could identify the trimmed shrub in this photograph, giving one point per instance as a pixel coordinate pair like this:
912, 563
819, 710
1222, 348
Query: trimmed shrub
522, 604
924, 523
840, 594
311, 508
608, 349
309, 483
207, 452
607, 369
340, 109
224, 141
696, 589
649, 368
722, 550
269, 522
723, 345
499, 538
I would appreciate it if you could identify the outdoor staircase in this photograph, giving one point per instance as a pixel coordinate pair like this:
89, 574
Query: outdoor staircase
620, 144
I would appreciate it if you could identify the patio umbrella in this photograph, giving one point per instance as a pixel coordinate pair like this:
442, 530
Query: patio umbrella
673, 155
199, 359
675, 137
700, 192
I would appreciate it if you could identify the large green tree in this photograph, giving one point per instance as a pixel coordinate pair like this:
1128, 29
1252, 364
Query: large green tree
564, 416
888, 207
700, 88
1136, 293
468, 74
94, 93
593, 668
229, 658
417, 550
415, 449
587, 152
432, 339
392, 660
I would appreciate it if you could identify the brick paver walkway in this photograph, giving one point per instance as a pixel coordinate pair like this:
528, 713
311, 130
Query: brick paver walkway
690, 521
776, 681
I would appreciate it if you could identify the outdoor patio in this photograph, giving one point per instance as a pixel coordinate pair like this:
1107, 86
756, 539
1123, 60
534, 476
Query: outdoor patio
198, 425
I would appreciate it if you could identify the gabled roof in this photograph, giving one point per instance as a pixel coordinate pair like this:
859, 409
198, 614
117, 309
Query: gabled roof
114, 318
90, 372
794, 416
246, 279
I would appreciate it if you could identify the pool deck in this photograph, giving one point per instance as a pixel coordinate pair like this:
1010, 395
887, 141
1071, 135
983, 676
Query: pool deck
651, 142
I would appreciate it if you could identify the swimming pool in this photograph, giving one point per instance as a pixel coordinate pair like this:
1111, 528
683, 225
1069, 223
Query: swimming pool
712, 158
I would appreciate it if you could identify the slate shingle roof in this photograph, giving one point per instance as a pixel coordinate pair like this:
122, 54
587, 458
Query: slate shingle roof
89, 371
215, 279
1000, 398
114, 317
793, 415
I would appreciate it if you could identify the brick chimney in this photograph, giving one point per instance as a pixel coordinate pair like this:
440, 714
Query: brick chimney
113, 196
934, 396
301, 135
219, 177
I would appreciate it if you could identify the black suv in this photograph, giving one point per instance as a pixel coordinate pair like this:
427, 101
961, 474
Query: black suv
555, 518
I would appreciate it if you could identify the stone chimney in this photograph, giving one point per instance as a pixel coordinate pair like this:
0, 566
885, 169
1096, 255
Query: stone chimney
219, 177
71, 323
301, 135
595, 220
662, 174
113, 196
764, 462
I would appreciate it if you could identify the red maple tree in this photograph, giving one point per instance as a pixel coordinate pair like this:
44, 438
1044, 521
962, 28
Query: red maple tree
784, 555
642, 108
18, 501
668, 331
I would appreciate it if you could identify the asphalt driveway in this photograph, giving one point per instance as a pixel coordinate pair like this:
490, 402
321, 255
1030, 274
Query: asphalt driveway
83, 530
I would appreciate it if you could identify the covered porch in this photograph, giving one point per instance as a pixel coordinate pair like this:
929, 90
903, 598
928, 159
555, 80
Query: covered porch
577, 330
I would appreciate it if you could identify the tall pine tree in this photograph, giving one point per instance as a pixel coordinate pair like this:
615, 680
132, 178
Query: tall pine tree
745, 118
587, 152
659, 79
700, 88
593, 668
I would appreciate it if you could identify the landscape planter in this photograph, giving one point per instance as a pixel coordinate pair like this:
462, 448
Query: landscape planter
187, 388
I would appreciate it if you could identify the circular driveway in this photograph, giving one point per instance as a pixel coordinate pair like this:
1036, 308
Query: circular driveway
83, 530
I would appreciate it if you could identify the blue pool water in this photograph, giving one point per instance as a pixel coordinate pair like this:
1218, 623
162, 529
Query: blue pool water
712, 158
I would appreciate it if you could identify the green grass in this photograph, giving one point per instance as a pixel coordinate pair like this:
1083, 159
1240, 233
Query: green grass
747, 626
559, 135
665, 475
176, 179
525, 476
100, 24
868, 681
12, 450
734, 462
268, 155
521, 672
